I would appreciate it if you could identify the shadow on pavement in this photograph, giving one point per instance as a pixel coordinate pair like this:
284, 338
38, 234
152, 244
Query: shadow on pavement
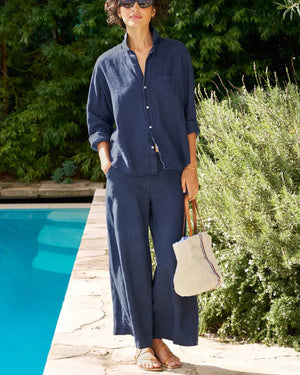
190, 369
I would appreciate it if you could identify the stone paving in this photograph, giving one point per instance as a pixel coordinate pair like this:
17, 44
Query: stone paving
47, 189
83, 343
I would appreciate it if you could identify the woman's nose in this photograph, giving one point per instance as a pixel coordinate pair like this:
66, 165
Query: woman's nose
136, 6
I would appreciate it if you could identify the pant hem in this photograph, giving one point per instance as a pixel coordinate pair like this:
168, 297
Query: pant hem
176, 341
163, 337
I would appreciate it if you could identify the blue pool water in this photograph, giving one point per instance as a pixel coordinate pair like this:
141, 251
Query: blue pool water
37, 253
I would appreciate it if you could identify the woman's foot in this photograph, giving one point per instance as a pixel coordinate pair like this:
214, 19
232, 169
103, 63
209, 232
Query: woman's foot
146, 360
164, 354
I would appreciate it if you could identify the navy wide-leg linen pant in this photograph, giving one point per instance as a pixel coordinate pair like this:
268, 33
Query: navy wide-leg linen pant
144, 305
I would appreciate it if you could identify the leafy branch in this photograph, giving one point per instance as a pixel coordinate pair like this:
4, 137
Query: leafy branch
291, 7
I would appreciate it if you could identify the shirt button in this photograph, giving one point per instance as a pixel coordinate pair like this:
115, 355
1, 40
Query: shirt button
147, 107
150, 127
152, 147
145, 87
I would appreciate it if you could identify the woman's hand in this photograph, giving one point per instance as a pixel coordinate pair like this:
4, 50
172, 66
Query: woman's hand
104, 156
189, 182
105, 167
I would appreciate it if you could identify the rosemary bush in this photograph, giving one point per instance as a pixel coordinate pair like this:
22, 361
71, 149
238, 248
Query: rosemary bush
249, 172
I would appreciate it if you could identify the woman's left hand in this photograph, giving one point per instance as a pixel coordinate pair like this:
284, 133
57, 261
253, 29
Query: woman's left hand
189, 182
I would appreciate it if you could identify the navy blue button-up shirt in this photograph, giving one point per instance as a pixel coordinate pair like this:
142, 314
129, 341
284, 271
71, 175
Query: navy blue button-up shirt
136, 112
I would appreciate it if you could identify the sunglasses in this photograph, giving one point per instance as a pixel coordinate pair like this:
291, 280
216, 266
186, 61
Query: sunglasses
130, 3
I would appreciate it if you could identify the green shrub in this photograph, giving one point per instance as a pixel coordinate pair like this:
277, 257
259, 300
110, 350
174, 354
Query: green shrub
249, 173
65, 173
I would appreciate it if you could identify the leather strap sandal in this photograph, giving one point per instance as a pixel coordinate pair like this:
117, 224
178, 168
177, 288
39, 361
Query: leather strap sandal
147, 355
169, 356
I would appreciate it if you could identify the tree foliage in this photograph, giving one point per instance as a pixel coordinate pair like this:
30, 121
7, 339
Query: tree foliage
249, 173
226, 37
51, 49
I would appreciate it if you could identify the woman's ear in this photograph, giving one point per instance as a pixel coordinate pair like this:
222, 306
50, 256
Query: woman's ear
153, 12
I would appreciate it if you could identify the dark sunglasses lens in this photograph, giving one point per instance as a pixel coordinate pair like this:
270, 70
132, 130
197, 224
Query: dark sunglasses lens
127, 3
130, 3
145, 3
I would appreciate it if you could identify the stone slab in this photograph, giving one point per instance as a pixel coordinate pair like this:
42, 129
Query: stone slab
75, 189
24, 191
51, 189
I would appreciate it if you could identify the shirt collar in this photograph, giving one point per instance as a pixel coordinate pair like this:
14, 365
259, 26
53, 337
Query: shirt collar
155, 37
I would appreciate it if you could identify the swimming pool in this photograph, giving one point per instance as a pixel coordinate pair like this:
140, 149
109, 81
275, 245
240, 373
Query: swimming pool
37, 252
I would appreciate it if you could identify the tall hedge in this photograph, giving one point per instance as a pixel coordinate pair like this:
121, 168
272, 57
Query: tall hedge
249, 171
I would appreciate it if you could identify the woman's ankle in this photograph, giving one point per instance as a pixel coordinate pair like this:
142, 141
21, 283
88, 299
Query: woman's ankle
157, 342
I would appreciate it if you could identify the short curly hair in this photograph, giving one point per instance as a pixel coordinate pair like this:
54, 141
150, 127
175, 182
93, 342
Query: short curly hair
111, 8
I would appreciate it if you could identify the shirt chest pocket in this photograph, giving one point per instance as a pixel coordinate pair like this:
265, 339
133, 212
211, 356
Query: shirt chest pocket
167, 84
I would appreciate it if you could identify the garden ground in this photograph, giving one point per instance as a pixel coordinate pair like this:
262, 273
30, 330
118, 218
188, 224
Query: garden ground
83, 342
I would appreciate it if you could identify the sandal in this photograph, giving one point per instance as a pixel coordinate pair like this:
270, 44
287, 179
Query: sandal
147, 354
169, 356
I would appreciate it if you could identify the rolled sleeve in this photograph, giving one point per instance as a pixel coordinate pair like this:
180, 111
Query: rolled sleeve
192, 127
100, 119
96, 138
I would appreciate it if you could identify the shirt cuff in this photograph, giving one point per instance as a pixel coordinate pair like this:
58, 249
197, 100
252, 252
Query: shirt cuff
96, 138
192, 127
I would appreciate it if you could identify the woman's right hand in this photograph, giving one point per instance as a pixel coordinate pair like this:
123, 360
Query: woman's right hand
104, 156
106, 168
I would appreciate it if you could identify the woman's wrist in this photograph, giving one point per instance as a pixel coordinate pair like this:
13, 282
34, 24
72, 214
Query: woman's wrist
191, 166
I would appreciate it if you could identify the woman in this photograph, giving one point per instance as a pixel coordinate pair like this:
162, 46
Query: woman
142, 121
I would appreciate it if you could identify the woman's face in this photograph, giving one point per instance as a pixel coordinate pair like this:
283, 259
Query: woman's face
136, 17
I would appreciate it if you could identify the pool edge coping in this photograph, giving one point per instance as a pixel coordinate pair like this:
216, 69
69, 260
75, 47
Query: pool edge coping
95, 245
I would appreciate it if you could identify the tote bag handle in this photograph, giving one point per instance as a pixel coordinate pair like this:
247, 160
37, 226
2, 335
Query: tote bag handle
187, 217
